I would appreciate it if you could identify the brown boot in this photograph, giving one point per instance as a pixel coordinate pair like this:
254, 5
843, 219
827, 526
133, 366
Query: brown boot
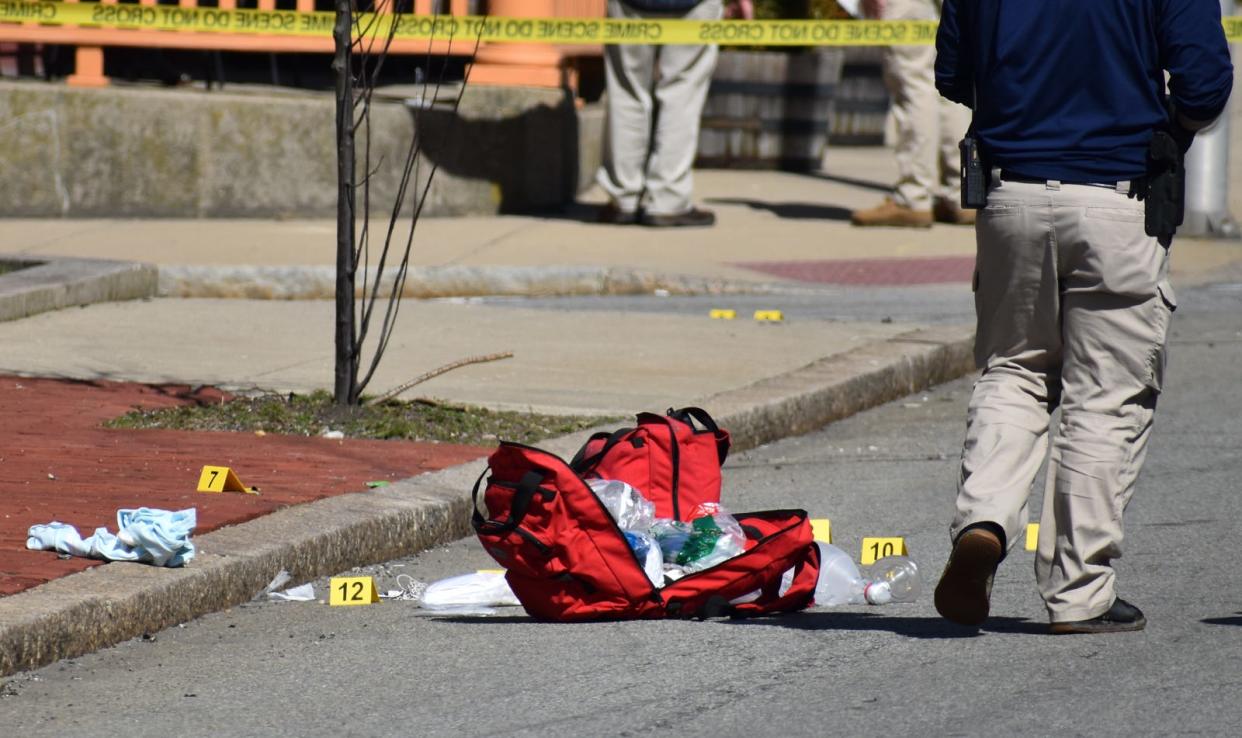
945, 210
964, 593
889, 213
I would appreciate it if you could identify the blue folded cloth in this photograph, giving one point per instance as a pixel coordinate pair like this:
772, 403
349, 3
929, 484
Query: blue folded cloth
148, 535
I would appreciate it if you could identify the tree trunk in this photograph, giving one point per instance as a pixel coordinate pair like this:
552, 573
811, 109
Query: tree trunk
346, 332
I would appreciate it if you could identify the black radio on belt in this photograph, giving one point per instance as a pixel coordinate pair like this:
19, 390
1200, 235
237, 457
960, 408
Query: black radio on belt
975, 173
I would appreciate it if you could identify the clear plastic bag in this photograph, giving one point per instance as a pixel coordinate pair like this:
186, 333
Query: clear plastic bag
724, 519
840, 582
711, 536
627, 506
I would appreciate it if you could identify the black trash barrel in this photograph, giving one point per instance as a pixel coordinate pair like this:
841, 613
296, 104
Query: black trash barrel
861, 107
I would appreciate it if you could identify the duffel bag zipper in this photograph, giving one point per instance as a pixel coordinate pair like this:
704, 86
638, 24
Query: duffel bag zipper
655, 595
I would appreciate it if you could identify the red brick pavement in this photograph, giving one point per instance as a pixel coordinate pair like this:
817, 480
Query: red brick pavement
57, 463
931, 270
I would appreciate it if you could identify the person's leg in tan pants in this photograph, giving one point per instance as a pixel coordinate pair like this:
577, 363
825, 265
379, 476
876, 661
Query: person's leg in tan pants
929, 128
1073, 305
655, 99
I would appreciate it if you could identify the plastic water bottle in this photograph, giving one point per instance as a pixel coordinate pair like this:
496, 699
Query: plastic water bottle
891, 579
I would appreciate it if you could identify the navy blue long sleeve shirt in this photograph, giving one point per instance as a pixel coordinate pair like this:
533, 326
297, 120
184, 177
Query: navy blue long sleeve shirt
1072, 89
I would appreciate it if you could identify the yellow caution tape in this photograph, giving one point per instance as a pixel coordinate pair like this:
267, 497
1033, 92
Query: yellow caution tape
492, 29
1233, 28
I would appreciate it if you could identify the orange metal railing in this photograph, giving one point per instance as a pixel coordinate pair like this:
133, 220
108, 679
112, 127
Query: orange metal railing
90, 42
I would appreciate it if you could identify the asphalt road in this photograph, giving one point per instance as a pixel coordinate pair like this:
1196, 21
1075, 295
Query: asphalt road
271, 668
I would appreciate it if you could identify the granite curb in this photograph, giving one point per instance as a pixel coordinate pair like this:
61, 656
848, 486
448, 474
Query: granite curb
318, 282
52, 283
109, 604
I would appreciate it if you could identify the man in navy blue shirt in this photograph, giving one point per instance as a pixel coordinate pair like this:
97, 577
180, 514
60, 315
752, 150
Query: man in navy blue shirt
1072, 296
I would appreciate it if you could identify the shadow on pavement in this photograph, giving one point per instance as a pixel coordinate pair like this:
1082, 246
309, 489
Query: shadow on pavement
1231, 620
911, 627
852, 181
577, 212
790, 210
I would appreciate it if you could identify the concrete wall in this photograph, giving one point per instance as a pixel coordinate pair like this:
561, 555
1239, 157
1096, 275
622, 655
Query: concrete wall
122, 152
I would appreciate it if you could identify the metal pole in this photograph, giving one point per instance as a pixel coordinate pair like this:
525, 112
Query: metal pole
1207, 176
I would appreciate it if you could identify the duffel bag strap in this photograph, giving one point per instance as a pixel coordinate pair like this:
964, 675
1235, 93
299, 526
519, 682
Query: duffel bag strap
581, 463
688, 415
527, 487
806, 575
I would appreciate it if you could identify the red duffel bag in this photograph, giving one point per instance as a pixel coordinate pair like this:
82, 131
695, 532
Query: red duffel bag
673, 459
567, 560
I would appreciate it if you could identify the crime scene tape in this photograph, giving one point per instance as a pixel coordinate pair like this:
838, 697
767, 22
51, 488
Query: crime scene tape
567, 31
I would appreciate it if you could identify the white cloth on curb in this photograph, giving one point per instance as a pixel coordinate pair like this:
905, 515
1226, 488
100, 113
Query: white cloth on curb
148, 535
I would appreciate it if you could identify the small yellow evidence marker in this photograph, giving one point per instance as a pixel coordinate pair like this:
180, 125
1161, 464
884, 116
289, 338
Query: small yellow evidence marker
1032, 536
821, 528
222, 479
874, 549
352, 591
721, 314
769, 316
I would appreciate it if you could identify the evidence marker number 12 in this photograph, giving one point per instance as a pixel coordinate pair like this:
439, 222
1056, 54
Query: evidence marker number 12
352, 591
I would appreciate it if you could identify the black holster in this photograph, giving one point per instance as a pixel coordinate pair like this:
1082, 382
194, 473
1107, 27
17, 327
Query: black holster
1165, 197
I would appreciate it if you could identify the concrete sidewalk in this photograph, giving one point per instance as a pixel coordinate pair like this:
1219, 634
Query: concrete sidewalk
776, 232
764, 217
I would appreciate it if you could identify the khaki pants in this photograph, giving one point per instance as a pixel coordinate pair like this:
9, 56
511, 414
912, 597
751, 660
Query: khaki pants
655, 98
1073, 304
929, 127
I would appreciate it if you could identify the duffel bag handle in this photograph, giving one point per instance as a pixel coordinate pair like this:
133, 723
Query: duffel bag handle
689, 414
527, 487
581, 463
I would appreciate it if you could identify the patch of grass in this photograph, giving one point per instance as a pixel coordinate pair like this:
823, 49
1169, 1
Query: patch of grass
311, 415
13, 266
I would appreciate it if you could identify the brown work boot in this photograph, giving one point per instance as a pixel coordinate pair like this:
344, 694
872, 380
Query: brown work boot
964, 593
945, 210
889, 213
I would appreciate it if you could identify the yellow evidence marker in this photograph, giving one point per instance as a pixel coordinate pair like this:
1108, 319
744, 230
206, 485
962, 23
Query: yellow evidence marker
769, 316
821, 528
222, 479
1032, 536
352, 591
874, 549
720, 314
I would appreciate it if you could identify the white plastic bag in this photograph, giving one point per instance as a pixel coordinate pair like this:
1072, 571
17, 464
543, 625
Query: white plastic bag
481, 589
649, 555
